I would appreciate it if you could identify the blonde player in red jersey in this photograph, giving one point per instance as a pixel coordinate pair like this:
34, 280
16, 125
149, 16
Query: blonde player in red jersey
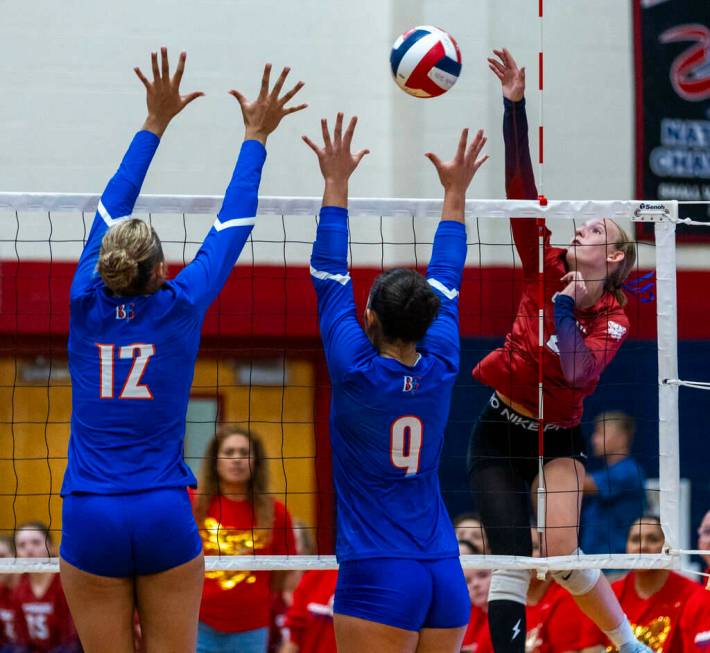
584, 327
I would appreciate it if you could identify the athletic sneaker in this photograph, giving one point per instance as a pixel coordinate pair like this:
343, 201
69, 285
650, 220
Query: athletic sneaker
635, 647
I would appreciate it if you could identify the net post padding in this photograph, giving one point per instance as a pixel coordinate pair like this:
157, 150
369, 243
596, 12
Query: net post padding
668, 431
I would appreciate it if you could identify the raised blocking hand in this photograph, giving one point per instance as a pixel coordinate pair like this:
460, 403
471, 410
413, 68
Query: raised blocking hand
163, 93
263, 115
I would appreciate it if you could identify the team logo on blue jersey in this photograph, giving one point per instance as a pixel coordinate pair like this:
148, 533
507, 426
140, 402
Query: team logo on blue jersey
125, 311
410, 383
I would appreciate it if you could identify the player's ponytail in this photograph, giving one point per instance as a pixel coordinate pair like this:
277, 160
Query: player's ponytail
130, 251
616, 278
404, 303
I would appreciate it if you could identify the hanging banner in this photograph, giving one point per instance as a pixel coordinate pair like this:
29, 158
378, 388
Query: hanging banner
672, 61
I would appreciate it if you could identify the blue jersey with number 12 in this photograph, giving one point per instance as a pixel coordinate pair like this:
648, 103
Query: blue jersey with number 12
132, 359
387, 419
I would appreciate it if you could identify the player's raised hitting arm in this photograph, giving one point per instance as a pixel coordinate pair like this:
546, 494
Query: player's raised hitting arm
118, 199
448, 254
519, 177
204, 277
343, 337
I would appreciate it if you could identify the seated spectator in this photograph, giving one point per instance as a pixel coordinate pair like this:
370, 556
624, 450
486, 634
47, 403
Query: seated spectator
653, 599
614, 494
468, 527
477, 638
237, 516
40, 598
704, 541
309, 621
694, 624
553, 620
12, 632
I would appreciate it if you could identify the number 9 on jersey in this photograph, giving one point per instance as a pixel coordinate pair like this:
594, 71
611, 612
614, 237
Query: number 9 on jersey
406, 443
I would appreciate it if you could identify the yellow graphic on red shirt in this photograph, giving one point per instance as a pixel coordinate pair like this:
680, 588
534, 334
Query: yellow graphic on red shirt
219, 540
654, 634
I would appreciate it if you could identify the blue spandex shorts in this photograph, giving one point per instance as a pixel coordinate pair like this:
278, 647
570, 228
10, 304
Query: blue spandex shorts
407, 594
124, 535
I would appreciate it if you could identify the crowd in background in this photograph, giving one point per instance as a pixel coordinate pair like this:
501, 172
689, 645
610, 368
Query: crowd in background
291, 612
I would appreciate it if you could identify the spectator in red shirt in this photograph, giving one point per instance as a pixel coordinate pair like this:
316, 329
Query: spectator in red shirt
40, 598
237, 516
653, 599
12, 633
694, 624
309, 621
477, 638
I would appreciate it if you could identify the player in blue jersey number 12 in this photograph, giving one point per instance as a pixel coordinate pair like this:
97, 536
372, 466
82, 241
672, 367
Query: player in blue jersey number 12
129, 540
400, 585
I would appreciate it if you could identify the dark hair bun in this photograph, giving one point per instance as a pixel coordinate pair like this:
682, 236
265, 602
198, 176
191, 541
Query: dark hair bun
405, 304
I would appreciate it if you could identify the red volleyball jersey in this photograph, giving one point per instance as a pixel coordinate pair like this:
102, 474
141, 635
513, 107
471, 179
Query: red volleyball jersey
12, 623
554, 624
694, 624
47, 620
655, 620
236, 601
309, 621
513, 368
478, 636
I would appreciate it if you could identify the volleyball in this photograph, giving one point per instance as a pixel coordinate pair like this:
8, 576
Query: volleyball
425, 61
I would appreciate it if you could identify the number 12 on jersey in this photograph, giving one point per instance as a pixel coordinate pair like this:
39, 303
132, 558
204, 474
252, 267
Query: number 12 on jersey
132, 388
406, 443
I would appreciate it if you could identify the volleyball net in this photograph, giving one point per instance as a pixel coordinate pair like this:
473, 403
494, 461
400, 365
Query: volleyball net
261, 364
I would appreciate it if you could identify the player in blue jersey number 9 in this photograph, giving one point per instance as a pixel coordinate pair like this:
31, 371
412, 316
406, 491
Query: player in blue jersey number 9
129, 540
400, 585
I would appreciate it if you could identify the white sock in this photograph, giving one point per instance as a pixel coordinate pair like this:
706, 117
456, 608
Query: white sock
621, 635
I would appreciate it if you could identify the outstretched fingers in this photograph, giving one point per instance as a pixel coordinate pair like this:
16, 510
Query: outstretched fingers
496, 66
291, 93
461, 149
474, 149
359, 156
327, 143
338, 131
154, 66
264, 90
142, 77
177, 78
164, 64
434, 159
275, 92
312, 145
349, 132
186, 99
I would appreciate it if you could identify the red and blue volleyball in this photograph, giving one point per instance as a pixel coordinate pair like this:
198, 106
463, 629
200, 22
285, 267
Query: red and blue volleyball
426, 61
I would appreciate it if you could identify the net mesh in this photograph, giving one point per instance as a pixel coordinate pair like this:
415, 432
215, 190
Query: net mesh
261, 366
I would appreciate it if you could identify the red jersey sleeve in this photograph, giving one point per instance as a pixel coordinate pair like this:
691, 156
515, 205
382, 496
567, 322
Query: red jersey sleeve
520, 183
604, 340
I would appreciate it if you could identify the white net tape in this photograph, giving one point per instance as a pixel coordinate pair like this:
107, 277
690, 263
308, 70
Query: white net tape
664, 214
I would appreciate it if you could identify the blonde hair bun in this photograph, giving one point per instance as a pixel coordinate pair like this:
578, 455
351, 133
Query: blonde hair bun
129, 252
